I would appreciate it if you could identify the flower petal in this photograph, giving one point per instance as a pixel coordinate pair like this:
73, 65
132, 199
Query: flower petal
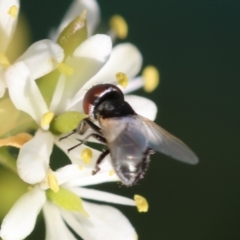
97, 195
88, 179
87, 60
55, 226
21, 219
93, 14
107, 223
133, 85
125, 58
33, 158
42, 57
76, 225
142, 106
2, 82
8, 19
106, 173
24, 92
63, 175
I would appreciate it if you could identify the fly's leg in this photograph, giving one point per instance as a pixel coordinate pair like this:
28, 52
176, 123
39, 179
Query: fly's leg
83, 127
93, 126
100, 159
71, 133
95, 135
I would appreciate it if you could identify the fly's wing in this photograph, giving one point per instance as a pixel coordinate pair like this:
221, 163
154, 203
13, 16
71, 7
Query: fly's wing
127, 142
162, 141
126, 137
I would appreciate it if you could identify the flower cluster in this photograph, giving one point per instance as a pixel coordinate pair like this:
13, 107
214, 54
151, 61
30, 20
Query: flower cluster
45, 89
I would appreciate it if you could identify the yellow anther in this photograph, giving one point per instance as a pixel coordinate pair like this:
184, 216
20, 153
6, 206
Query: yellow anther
46, 120
141, 202
80, 167
52, 182
86, 155
119, 26
111, 173
65, 69
122, 79
151, 78
16, 141
13, 10
4, 62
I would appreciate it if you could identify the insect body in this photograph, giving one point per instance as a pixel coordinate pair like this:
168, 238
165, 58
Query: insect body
129, 137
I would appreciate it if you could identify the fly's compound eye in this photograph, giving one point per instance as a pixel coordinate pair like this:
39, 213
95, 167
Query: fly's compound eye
98, 94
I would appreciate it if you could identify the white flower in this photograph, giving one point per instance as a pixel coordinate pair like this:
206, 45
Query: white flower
90, 66
44, 55
93, 62
88, 220
122, 53
8, 19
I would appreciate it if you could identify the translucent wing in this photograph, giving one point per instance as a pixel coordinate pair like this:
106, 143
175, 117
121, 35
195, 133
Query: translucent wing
162, 141
127, 142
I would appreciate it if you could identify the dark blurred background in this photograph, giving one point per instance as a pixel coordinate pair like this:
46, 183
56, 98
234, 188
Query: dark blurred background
195, 45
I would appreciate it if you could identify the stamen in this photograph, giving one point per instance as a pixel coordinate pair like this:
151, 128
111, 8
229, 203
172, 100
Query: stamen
111, 173
4, 62
16, 141
86, 155
46, 120
13, 10
122, 79
151, 78
119, 26
65, 69
52, 181
141, 202
80, 167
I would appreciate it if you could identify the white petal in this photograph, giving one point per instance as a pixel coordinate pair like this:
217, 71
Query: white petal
125, 58
142, 106
89, 179
42, 57
24, 92
105, 174
57, 95
87, 60
133, 85
75, 224
97, 195
56, 229
7, 22
75, 154
64, 174
93, 15
21, 219
33, 158
107, 223
2, 82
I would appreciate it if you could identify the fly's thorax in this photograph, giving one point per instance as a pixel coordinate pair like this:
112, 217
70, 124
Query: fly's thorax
111, 127
114, 108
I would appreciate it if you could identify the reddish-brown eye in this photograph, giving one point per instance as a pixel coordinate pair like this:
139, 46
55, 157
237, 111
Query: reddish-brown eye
97, 93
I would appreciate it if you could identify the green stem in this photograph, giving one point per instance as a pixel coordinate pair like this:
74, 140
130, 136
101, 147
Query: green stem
7, 160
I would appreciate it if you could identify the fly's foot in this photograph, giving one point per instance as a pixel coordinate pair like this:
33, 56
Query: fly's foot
96, 170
